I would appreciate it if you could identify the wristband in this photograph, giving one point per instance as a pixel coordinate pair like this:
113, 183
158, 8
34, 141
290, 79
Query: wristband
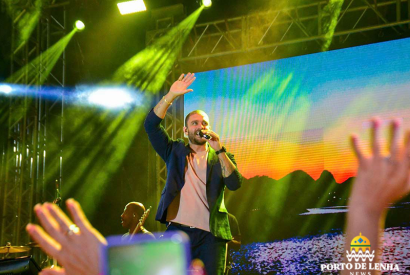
223, 150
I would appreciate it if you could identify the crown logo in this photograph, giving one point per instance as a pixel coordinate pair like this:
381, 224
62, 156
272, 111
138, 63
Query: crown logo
360, 249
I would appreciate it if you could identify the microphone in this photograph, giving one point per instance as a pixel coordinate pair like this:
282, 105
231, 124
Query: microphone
201, 134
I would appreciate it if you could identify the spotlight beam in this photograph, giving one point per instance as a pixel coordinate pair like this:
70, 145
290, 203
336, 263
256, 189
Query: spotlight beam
44, 62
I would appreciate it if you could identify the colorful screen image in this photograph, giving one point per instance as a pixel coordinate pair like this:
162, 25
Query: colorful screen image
297, 113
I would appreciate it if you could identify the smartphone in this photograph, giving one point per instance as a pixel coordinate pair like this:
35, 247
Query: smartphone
168, 254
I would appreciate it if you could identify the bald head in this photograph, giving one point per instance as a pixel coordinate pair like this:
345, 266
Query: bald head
137, 208
133, 211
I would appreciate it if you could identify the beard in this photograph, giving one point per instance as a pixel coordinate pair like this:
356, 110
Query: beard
195, 139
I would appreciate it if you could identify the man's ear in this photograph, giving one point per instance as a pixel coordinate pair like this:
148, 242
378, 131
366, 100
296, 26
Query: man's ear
185, 131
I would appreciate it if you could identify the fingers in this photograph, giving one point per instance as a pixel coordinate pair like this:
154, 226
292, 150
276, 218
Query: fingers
189, 78
188, 91
81, 220
48, 222
394, 139
355, 142
61, 218
54, 221
181, 77
78, 215
48, 244
375, 137
406, 159
211, 133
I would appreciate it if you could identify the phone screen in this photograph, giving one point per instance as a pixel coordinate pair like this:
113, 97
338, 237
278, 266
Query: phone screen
158, 257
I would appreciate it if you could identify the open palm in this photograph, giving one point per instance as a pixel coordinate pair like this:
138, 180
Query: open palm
382, 179
180, 87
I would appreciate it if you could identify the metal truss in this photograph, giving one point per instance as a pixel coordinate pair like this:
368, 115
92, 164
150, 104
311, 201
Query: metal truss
32, 156
257, 37
173, 122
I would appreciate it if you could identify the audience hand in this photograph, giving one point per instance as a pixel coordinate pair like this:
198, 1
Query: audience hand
381, 179
75, 248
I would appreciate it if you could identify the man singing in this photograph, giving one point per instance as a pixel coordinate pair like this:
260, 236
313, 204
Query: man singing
193, 197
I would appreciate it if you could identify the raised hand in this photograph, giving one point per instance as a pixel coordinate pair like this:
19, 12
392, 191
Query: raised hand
75, 245
381, 179
180, 87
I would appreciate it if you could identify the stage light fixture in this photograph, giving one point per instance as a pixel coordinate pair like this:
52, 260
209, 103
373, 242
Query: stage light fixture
207, 3
110, 97
131, 6
79, 25
5, 89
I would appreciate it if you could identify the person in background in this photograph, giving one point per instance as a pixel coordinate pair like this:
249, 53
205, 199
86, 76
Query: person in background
130, 219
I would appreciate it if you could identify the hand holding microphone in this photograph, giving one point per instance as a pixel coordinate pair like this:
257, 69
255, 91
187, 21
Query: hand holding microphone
213, 139
203, 135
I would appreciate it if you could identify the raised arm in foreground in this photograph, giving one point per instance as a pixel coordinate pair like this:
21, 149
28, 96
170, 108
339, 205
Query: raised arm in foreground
380, 180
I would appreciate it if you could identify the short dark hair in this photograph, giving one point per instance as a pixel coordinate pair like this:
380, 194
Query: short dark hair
190, 114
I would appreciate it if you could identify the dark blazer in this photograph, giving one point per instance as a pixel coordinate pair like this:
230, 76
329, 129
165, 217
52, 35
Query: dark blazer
174, 153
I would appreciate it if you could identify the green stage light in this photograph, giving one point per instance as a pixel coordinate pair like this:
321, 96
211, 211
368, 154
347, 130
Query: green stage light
207, 3
131, 6
79, 25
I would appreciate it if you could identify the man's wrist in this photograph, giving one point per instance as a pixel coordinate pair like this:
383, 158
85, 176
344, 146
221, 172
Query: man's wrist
169, 102
170, 97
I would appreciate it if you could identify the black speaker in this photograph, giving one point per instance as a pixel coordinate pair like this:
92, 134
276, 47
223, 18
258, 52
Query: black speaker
24, 266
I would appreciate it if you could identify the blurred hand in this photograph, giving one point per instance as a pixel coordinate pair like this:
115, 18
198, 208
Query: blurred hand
197, 267
381, 179
75, 248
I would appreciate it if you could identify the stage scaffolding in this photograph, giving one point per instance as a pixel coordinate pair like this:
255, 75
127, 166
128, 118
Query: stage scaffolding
31, 163
173, 121
258, 37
